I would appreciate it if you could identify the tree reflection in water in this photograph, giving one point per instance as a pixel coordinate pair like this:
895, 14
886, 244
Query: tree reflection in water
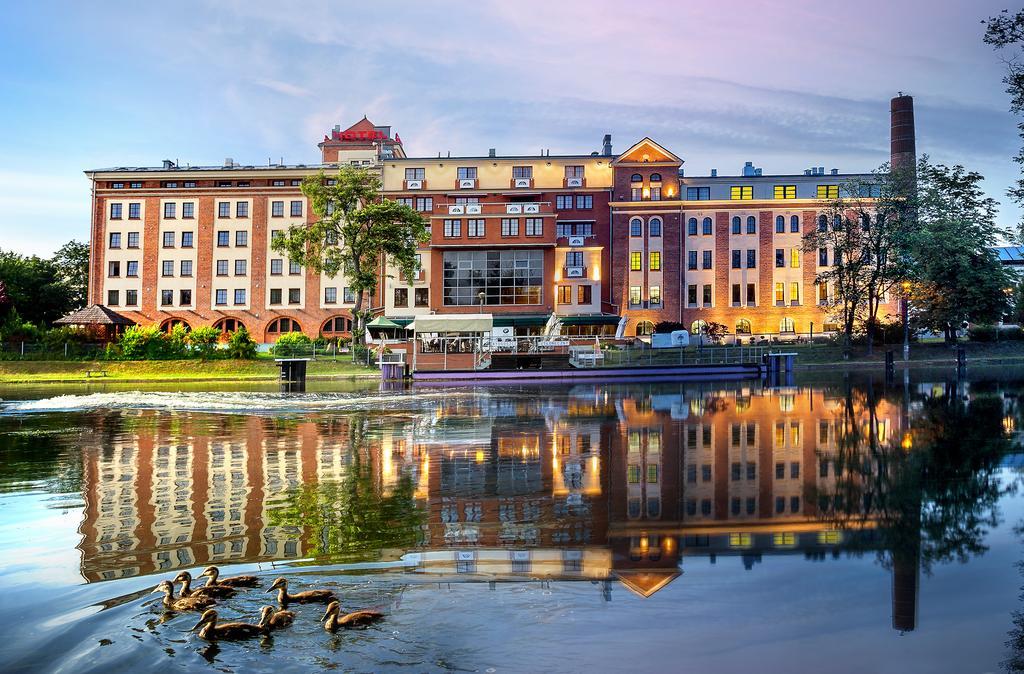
353, 519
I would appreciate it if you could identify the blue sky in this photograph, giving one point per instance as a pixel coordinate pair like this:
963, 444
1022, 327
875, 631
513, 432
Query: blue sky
786, 85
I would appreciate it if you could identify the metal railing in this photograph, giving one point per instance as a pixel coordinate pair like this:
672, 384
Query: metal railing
44, 351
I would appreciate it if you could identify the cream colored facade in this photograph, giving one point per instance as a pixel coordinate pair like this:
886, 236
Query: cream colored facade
123, 226
235, 226
495, 173
182, 277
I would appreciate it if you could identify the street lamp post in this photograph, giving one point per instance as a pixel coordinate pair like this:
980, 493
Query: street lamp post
906, 322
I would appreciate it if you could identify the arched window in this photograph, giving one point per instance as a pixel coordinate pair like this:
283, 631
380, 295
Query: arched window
228, 325
655, 177
654, 227
837, 222
698, 327
780, 224
691, 226
786, 325
636, 178
283, 325
171, 323
337, 325
636, 227
708, 227
742, 327
794, 224
751, 224
737, 224
822, 223
644, 329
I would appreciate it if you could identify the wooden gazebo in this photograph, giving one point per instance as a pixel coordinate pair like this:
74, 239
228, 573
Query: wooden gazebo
106, 323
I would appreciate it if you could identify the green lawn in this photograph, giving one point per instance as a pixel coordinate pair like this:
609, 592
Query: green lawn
262, 369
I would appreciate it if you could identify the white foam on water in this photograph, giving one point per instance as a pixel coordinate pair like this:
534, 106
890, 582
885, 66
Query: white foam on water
232, 402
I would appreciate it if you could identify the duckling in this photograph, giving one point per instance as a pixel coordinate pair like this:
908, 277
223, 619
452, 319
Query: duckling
193, 603
213, 573
307, 597
271, 619
212, 631
215, 591
355, 619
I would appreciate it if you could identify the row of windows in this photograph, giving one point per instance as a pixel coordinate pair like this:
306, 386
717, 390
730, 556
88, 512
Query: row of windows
189, 184
422, 204
476, 227
584, 294
421, 297
470, 172
636, 227
636, 259
574, 201
566, 229
653, 296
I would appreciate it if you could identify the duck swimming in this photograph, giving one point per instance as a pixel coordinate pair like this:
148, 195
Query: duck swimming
212, 631
355, 619
193, 603
307, 597
213, 573
215, 591
272, 619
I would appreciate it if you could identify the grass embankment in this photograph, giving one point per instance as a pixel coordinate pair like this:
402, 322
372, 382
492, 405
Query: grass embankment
261, 369
818, 356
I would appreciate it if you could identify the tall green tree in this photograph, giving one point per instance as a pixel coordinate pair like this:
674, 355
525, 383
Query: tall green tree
356, 232
35, 287
72, 262
957, 277
1005, 32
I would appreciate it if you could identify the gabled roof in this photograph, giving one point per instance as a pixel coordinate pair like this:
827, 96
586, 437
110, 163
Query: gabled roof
362, 125
646, 583
646, 151
95, 314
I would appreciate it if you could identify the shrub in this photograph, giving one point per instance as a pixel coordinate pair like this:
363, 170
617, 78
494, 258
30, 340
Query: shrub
1012, 332
665, 327
982, 333
149, 343
291, 344
241, 344
203, 341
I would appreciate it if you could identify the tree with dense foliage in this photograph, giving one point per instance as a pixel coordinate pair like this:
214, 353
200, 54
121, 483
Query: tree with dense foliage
36, 287
957, 277
355, 232
1006, 31
72, 261
866, 230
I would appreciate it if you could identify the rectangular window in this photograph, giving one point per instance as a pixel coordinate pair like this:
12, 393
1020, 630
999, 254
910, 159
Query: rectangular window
188, 210
706, 259
563, 201
115, 240
348, 296
114, 269
221, 297
115, 211
424, 204
655, 194
573, 171
242, 238
223, 238
223, 209
186, 268
691, 259
186, 239
294, 295
585, 295
415, 174
635, 293
276, 267
112, 298
785, 192
452, 228
510, 226
794, 292
735, 294
222, 267
828, 191
185, 297
296, 209
189, 184
823, 293
132, 270
534, 226
166, 298
133, 239
737, 258
741, 192
654, 261
794, 257
584, 202
780, 257
466, 173
168, 239
691, 295
421, 296
169, 209
239, 296
698, 193
475, 228
275, 295
780, 293
751, 258
131, 298
240, 267
707, 295
522, 171
654, 293
401, 297
294, 268
330, 295
823, 257
167, 268
636, 261
277, 209
751, 295
565, 294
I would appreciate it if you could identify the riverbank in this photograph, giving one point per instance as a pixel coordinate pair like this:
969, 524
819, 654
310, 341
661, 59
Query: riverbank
925, 354
98, 372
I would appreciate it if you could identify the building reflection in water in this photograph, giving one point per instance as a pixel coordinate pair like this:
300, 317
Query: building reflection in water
593, 483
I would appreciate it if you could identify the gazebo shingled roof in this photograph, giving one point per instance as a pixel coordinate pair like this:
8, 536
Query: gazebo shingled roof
95, 314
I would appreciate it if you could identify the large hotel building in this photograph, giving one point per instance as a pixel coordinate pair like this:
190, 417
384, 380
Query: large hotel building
593, 243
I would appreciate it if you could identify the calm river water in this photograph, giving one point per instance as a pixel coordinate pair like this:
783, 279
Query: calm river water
839, 525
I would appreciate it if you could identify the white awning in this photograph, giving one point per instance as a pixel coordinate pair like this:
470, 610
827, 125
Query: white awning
453, 323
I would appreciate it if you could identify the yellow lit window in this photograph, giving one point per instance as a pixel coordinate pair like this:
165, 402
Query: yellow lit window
780, 435
636, 261
794, 435
744, 192
653, 442
739, 540
634, 441
785, 191
655, 261
652, 473
794, 257
633, 474
784, 540
828, 191
794, 291
780, 292
830, 537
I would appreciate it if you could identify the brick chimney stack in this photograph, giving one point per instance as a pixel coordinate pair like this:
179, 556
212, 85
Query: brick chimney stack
903, 146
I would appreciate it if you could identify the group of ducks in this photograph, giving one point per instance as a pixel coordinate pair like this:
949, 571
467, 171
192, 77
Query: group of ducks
203, 597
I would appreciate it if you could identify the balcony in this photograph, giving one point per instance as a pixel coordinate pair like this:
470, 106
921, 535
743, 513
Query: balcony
521, 183
522, 209
533, 208
465, 183
465, 209
574, 272
574, 182
419, 184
